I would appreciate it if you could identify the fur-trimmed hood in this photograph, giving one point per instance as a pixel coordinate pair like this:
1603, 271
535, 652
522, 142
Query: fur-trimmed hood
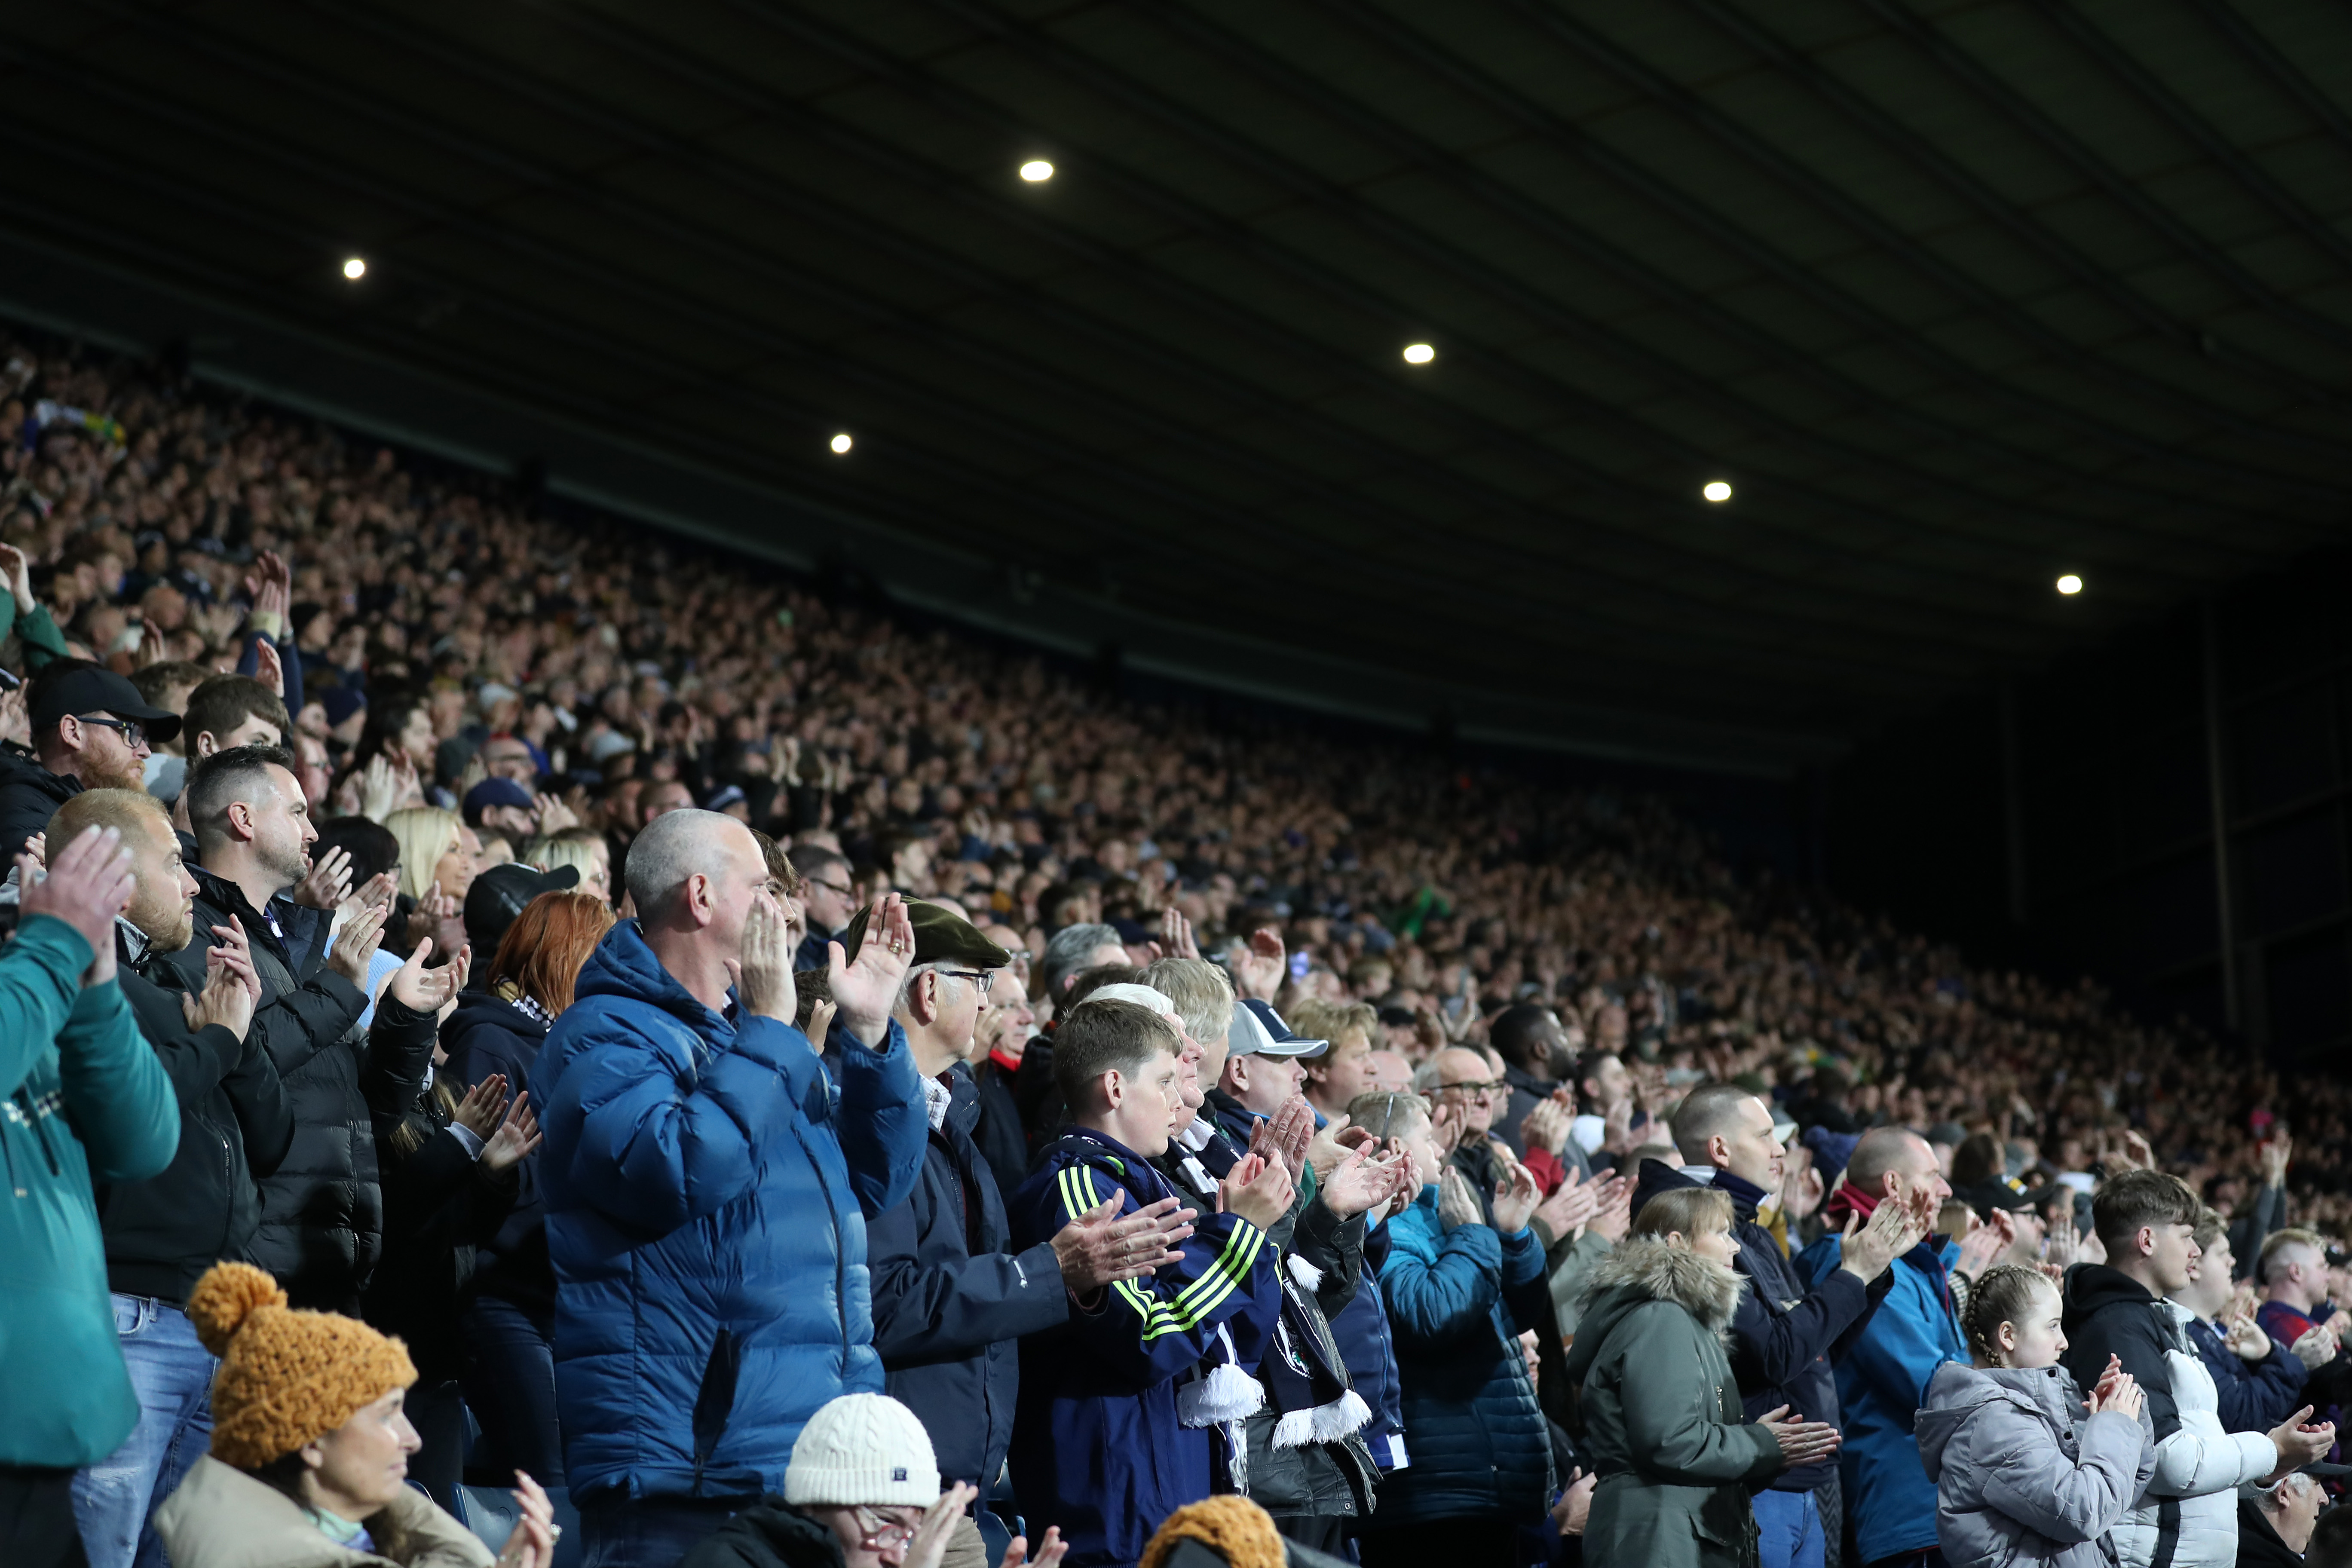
1644, 1270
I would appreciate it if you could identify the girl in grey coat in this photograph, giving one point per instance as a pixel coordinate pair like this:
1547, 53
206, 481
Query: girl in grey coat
2024, 1472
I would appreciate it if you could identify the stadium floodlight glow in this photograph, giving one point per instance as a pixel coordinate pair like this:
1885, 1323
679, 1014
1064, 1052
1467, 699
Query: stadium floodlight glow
355, 267
1717, 491
1419, 353
1036, 171
842, 443
2069, 583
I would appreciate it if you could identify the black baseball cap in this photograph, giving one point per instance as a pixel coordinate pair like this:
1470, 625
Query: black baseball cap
85, 689
499, 895
2005, 1193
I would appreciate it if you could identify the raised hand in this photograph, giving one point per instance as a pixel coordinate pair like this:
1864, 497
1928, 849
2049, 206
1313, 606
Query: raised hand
231, 991
19, 570
864, 991
516, 1136
354, 946
1576, 1202
1988, 1242
377, 891
552, 814
1516, 1197
423, 990
2315, 1349
327, 882
1017, 1552
1358, 1182
90, 883
1803, 1442
2059, 1243
939, 1520
268, 667
531, 1543
1546, 1127
484, 1104
2299, 1445
1866, 1250
1176, 934
2275, 1155
1258, 971
1456, 1204
764, 978
1615, 1215
1257, 1189
1098, 1247
2247, 1341
1284, 1135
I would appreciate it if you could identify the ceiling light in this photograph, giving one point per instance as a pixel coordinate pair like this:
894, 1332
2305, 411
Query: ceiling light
355, 268
1419, 353
842, 443
1036, 171
1717, 491
2069, 583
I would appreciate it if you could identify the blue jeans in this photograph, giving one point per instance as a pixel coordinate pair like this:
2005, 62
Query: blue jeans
650, 1533
173, 1375
1789, 1530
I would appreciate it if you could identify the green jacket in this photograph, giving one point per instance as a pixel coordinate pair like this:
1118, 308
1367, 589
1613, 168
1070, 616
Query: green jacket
42, 641
1661, 1417
82, 1098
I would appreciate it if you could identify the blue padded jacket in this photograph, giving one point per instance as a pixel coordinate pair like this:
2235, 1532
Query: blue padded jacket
706, 1191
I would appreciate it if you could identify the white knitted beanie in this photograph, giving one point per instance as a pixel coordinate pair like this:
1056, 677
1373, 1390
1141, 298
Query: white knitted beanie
863, 1448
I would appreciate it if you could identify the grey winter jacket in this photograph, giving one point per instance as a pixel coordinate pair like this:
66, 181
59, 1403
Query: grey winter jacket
2022, 1473
1662, 1416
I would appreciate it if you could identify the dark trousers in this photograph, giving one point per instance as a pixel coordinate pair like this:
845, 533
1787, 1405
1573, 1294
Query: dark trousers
1323, 1533
650, 1533
1928, 1557
509, 1384
1457, 1543
36, 1518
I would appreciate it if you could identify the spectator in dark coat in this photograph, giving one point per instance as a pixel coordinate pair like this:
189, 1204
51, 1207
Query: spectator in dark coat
91, 730
321, 1210
1785, 1336
1000, 1040
507, 1315
161, 1234
2274, 1525
1533, 1046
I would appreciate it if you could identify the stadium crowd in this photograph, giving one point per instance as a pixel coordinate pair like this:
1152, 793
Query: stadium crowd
512, 1026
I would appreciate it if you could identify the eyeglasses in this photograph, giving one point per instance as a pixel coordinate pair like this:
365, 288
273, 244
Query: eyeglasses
882, 1531
134, 734
1474, 1091
983, 978
828, 887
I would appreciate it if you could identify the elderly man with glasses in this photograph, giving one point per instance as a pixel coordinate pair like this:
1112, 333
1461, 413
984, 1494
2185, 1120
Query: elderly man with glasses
950, 1297
91, 730
1468, 1091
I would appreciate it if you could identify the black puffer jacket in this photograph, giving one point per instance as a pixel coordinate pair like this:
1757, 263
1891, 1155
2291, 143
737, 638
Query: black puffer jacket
236, 1125
29, 795
322, 1210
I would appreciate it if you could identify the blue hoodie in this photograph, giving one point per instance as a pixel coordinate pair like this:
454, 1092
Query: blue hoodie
1881, 1383
707, 1192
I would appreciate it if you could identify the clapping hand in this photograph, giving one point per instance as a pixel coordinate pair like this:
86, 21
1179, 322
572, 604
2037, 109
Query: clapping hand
1100, 1247
763, 977
1016, 1554
1257, 1189
1258, 970
1803, 1442
2297, 1444
484, 1104
1456, 1204
423, 990
232, 990
1988, 1242
327, 883
1363, 1181
1864, 1251
1284, 1135
1576, 1201
1176, 934
1516, 1197
531, 1543
516, 1136
1546, 1127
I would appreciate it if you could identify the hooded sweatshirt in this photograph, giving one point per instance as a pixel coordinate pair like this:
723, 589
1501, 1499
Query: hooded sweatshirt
2189, 1517
2023, 1473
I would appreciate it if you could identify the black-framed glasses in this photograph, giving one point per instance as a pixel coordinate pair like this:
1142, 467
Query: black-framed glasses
134, 733
1498, 1086
828, 887
983, 978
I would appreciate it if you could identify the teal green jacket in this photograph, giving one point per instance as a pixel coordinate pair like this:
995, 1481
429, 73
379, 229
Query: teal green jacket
43, 640
82, 1098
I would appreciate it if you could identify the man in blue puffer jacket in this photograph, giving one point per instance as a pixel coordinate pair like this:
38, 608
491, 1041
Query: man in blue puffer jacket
707, 1186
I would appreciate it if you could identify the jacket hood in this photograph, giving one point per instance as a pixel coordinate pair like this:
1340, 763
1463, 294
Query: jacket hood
485, 1010
1646, 1269
1958, 1390
2091, 1286
623, 965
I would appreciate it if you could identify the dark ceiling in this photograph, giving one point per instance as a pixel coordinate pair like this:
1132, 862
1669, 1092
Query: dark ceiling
1957, 296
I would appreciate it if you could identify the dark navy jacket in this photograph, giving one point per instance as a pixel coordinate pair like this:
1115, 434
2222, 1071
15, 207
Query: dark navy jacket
488, 1034
1368, 1348
1786, 1335
2253, 1397
950, 1300
706, 1193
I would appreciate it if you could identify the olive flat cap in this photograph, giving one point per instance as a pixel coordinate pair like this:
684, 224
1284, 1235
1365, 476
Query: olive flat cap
940, 937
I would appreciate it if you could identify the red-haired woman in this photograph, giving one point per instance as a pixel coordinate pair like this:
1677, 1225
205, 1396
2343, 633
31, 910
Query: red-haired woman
508, 1312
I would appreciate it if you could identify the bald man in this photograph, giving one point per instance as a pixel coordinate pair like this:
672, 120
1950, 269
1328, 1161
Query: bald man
1882, 1380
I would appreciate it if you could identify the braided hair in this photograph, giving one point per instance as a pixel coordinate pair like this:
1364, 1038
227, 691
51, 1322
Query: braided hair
2003, 1295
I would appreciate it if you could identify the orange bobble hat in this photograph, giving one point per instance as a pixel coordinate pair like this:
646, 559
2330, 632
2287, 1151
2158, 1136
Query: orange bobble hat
286, 1377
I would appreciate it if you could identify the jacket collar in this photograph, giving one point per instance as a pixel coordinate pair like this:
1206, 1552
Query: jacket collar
1744, 1194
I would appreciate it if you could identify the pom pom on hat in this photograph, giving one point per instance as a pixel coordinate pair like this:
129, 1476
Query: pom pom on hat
863, 1448
1235, 1528
286, 1377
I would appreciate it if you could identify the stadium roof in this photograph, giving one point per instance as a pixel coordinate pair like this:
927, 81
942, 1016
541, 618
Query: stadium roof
1957, 296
